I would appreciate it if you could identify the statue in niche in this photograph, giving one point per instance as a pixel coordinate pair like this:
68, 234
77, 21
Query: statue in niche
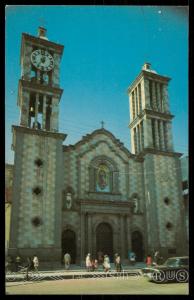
102, 177
135, 205
68, 200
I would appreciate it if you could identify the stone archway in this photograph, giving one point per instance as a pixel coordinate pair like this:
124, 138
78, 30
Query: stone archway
104, 239
68, 244
137, 245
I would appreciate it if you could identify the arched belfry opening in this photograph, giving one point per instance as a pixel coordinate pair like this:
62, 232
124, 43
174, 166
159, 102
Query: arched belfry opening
104, 239
69, 244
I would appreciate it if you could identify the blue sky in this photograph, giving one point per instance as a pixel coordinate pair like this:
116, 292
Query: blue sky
105, 48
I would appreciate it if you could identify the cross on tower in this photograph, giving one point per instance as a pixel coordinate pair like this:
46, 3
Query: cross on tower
102, 123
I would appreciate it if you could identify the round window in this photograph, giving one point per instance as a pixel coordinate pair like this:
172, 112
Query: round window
167, 201
36, 221
37, 190
38, 162
169, 226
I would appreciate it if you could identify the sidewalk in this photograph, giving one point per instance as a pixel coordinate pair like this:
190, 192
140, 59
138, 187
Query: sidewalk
75, 272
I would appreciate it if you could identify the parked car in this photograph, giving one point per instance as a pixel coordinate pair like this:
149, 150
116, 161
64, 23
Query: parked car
175, 269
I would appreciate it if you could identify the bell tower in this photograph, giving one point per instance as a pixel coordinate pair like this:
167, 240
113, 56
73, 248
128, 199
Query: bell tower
36, 210
151, 138
39, 93
150, 118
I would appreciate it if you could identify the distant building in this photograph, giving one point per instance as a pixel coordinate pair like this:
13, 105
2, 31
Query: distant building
94, 196
8, 201
185, 187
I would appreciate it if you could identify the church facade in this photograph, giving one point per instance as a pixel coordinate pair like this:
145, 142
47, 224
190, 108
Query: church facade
95, 195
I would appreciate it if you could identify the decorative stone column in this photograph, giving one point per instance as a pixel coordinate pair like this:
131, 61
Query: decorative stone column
134, 144
138, 138
142, 134
156, 134
169, 136
44, 112
125, 236
131, 107
90, 233
139, 95
148, 140
118, 236
165, 98
136, 102
54, 114
158, 96
161, 129
132, 141
128, 232
82, 240
24, 112
165, 135
154, 95
122, 238
133, 104
36, 110
146, 93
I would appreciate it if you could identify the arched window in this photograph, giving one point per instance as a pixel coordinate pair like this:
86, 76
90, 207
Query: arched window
103, 179
103, 175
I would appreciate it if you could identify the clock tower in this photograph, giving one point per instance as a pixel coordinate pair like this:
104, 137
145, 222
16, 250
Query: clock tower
38, 176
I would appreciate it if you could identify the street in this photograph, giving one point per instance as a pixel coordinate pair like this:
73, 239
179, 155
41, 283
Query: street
130, 285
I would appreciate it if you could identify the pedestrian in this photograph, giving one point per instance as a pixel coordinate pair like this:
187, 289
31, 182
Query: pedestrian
28, 266
129, 255
115, 256
67, 260
118, 263
88, 262
92, 264
95, 264
9, 264
156, 257
36, 263
106, 263
100, 257
148, 260
132, 258
18, 262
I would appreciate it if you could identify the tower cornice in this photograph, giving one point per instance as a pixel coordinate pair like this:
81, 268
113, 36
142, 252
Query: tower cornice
151, 114
148, 75
46, 133
36, 41
159, 152
36, 87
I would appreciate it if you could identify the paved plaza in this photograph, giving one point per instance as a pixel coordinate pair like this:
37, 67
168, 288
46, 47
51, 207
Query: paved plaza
128, 285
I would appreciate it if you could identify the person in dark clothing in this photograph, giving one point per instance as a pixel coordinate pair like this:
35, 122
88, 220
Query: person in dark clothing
118, 262
18, 261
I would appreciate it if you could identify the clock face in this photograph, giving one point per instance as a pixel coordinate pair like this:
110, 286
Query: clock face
42, 60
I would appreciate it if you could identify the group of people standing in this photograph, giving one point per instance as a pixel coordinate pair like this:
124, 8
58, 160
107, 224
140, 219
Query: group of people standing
92, 264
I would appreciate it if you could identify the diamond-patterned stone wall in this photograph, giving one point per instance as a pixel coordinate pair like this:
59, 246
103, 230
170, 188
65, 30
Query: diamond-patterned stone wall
42, 205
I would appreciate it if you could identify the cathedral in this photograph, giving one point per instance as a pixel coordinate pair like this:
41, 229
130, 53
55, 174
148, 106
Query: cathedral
95, 195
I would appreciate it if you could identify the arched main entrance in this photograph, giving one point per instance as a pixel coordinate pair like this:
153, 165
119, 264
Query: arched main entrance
69, 244
104, 239
137, 245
